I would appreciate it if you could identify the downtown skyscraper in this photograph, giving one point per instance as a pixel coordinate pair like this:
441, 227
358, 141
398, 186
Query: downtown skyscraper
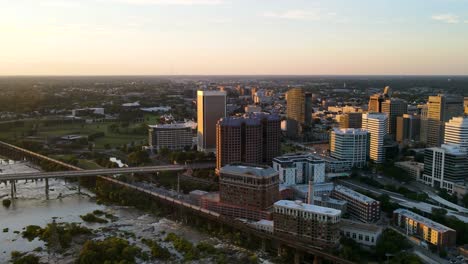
377, 126
298, 112
440, 109
211, 106
252, 139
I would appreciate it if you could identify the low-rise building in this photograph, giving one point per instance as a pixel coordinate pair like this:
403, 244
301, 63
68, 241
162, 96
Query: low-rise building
334, 165
264, 226
416, 225
414, 169
299, 168
327, 201
316, 224
249, 186
360, 207
365, 234
212, 202
171, 136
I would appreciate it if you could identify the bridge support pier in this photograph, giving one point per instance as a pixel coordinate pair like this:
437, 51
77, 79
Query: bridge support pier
280, 251
13, 189
47, 188
263, 245
298, 257
79, 187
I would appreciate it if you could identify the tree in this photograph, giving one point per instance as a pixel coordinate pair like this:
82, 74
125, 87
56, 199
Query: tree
391, 242
138, 157
465, 200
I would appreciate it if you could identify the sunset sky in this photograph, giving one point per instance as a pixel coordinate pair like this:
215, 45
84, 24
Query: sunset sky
159, 37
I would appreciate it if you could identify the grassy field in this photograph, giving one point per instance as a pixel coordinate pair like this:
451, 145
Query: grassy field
45, 132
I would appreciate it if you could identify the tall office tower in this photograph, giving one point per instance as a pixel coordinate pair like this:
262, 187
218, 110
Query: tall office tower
466, 105
377, 125
440, 109
423, 128
253, 139
456, 132
376, 100
394, 107
375, 103
211, 106
350, 144
408, 128
299, 110
350, 120
308, 108
445, 166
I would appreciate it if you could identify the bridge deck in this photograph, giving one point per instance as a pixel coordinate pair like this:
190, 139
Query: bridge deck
84, 173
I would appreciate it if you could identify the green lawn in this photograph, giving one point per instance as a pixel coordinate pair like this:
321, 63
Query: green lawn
59, 130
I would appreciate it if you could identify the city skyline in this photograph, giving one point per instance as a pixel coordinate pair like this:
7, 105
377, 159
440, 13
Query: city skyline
221, 37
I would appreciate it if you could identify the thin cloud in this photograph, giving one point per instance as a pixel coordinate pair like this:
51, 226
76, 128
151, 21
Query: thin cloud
171, 2
446, 18
313, 15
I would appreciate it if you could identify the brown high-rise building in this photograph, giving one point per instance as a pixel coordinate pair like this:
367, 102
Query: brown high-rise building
408, 128
299, 111
350, 120
441, 109
248, 186
253, 139
394, 107
466, 105
211, 106
376, 100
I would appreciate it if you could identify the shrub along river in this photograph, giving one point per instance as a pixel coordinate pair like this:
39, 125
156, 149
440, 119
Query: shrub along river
154, 239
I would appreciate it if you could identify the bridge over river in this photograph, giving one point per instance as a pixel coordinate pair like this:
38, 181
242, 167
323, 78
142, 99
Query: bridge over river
300, 248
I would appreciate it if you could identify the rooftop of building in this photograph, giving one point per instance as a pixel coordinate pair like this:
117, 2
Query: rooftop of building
350, 131
297, 156
459, 121
379, 116
298, 205
410, 163
326, 198
346, 223
211, 92
247, 169
248, 119
423, 220
265, 222
453, 149
172, 126
359, 196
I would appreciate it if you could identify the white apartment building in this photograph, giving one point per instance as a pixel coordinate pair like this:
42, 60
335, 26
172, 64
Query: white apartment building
362, 233
456, 132
377, 126
350, 144
299, 168
445, 166
170, 136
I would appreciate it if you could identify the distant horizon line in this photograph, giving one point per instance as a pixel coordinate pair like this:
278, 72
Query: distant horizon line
233, 75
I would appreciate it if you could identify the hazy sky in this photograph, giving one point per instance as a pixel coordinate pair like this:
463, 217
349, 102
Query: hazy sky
63, 37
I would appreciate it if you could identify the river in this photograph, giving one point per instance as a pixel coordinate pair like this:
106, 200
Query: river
65, 205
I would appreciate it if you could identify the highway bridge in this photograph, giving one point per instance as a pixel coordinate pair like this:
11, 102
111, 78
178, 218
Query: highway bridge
89, 173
